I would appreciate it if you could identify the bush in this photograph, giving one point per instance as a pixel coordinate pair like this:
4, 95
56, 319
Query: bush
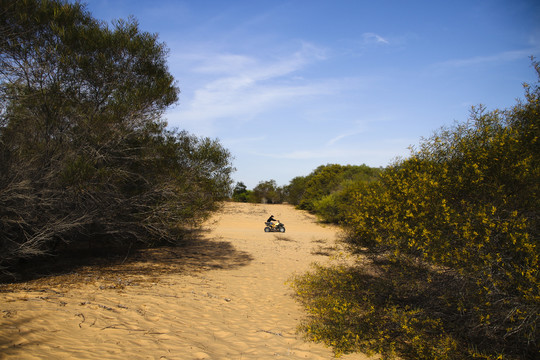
242, 194
326, 180
84, 154
295, 190
333, 208
463, 208
267, 192
381, 309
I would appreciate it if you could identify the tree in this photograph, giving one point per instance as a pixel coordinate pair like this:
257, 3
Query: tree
84, 151
242, 194
295, 190
328, 179
268, 192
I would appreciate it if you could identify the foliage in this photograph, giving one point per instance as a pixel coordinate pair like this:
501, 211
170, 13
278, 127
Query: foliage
242, 194
84, 154
383, 308
455, 227
268, 192
326, 189
295, 190
333, 208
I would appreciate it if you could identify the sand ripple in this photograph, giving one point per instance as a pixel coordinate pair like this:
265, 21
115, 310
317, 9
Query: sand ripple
221, 297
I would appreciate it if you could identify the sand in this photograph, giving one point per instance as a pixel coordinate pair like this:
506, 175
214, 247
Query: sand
223, 297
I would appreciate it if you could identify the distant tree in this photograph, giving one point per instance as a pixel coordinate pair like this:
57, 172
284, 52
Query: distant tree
268, 192
321, 182
239, 189
294, 192
328, 179
242, 194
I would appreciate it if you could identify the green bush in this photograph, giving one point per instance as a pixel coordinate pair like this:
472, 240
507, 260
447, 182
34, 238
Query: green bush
335, 207
326, 180
295, 190
242, 194
267, 192
85, 156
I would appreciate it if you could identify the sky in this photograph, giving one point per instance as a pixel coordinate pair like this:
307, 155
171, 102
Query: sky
289, 85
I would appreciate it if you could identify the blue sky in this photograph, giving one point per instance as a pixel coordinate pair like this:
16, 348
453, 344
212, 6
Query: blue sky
287, 86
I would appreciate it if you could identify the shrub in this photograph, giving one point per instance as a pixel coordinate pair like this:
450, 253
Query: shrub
467, 200
85, 156
335, 207
381, 309
267, 192
452, 232
326, 180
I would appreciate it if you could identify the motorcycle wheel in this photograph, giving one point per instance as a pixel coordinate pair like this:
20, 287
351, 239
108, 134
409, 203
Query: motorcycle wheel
267, 229
282, 229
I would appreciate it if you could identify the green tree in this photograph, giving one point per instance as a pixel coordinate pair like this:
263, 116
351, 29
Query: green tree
322, 181
239, 190
268, 192
84, 152
318, 188
295, 190
242, 194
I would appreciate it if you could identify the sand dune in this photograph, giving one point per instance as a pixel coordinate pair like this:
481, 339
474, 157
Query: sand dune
222, 297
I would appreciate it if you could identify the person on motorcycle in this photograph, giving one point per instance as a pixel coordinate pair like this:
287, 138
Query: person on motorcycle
271, 220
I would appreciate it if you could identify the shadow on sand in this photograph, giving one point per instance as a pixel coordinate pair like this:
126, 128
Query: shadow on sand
118, 267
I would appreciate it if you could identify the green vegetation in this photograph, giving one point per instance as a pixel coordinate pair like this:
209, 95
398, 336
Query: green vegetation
327, 190
450, 244
85, 157
449, 236
265, 192
268, 192
322, 192
242, 194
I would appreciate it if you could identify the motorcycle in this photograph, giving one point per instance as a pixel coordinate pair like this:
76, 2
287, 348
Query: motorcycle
278, 227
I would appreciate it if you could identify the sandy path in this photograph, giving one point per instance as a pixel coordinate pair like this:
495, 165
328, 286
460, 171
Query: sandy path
225, 298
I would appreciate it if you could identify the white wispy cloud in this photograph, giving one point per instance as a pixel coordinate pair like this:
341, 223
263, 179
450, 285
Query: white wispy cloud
222, 63
370, 38
344, 135
239, 86
337, 138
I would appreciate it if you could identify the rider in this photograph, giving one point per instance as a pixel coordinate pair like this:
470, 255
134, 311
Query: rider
270, 220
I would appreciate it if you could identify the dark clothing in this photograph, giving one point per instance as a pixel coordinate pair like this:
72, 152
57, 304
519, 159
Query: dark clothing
271, 218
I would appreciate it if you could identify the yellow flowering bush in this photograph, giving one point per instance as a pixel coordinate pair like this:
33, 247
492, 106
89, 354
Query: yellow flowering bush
373, 310
452, 232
